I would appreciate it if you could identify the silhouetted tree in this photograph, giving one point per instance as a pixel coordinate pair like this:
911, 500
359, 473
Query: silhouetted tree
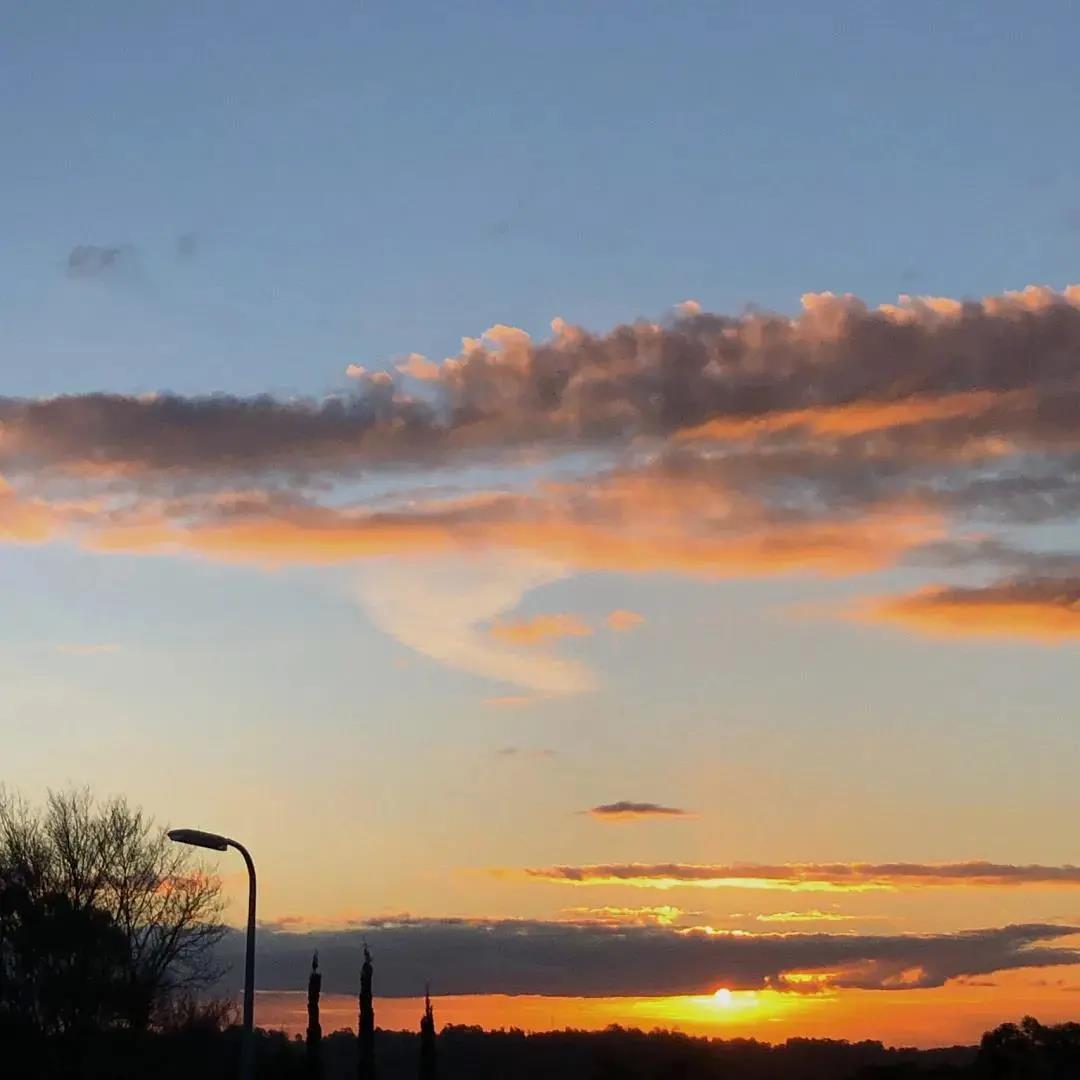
366, 1029
62, 978
1030, 1049
314, 1029
107, 869
428, 1070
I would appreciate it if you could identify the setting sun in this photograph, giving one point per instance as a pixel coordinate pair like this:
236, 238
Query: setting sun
722, 997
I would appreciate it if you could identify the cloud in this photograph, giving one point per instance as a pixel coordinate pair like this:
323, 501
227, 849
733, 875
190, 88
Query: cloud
1043, 609
355, 371
25, 521
511, 701
307, 923
622, 620
539, 630
957, 378
538, 753
438, 607
663, 915
96, 260
484, 956
842, 440
807, 877
417, 366
87, 648
632, 522
630, 811
814, 915
187, 246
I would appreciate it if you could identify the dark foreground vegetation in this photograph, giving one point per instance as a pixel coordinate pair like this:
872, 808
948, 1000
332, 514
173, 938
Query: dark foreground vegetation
196, 1047
469, 1053
107, 936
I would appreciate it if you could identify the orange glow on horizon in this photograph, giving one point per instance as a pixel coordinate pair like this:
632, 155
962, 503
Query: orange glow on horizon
956, 1013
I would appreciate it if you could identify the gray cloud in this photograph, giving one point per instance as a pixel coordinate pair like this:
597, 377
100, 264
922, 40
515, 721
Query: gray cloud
462, 956
915, 383
217, 434
626, 809
96, 260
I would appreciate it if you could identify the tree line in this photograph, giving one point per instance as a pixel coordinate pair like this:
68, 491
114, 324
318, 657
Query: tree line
107, 965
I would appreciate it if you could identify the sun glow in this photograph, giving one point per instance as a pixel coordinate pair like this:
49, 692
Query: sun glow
744, 1009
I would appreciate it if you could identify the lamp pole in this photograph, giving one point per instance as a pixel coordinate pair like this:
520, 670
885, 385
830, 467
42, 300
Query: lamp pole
215, 842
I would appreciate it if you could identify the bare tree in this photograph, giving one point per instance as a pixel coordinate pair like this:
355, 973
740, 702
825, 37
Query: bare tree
109, 857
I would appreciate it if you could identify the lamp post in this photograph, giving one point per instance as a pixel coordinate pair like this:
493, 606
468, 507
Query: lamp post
198, 838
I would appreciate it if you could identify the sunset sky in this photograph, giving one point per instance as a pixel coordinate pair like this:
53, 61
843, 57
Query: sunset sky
587, 492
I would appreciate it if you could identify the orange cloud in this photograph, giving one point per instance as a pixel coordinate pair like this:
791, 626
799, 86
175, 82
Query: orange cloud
857, 417
24, 521
540, 629
622, 620
293, 923
1042, 609
895, 423
635, 523
663, 915
418, 366
814, 915
807, 877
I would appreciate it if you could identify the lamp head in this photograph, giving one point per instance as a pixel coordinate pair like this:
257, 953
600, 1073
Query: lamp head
198, 838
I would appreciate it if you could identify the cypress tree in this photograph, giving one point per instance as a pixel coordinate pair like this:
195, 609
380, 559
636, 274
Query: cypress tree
314, 1028
428, 1069
366, 1032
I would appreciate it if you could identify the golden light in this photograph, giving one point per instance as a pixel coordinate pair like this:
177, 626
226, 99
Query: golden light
722, 997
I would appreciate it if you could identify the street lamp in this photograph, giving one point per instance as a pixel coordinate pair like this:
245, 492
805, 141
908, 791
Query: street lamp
198, 838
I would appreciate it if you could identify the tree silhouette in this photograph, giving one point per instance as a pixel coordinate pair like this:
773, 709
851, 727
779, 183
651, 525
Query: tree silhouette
1030, 1049
314, 1029
366, 1030
108, 862
428, 1070
62, 978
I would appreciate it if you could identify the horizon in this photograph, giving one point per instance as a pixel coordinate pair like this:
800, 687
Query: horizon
589, 498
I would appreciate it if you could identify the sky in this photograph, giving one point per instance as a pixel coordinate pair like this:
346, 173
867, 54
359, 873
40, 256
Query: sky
596, 476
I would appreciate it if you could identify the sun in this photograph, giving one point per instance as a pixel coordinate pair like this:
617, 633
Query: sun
722, 997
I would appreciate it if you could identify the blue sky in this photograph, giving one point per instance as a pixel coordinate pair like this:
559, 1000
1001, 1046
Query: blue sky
382, 179
286, 192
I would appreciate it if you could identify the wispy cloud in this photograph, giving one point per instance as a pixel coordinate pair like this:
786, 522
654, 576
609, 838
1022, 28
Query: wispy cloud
89, 648
540, 629
539, 753
807, 877
814, 915
663, 915
439, 608
622, 620
99, 260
